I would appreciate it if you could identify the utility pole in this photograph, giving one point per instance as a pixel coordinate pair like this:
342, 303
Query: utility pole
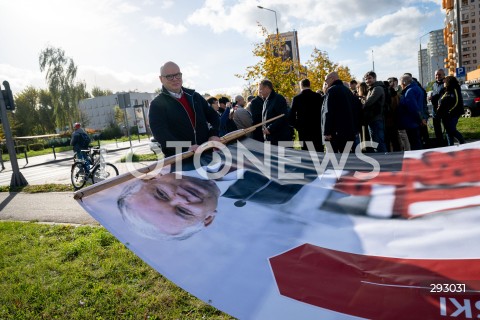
373, 63
124, 103
7, 103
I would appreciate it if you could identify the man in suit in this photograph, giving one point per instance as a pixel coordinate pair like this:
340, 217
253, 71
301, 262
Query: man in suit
306, 116
339, 114
274, 104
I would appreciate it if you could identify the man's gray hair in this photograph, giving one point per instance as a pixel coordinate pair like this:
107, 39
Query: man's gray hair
144, 227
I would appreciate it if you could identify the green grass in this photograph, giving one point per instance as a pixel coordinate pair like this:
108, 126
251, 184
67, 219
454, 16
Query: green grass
143, 157
49, 187
66, 272
469, 128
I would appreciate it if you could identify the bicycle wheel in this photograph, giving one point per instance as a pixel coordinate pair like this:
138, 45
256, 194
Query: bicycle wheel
78, 175
100, 174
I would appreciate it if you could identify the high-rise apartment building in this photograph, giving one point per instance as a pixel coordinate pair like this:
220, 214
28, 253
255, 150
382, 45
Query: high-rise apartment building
462, 16
431, 58
423, 66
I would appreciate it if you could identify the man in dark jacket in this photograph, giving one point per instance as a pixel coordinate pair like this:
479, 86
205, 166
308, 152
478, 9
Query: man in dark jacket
80, 141
274, 105
306, 116
373, 110
437, 92
227, 124
255, 108
339, 123
180, 118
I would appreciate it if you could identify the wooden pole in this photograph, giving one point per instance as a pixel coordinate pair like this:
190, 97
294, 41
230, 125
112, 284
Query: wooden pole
167, 161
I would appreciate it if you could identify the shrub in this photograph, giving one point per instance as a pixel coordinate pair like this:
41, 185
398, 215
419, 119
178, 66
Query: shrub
113, 131
36, 146
134, 130
58, 142
20, 149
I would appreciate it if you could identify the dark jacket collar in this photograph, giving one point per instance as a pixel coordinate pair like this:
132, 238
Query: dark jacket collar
337, 83
186, 90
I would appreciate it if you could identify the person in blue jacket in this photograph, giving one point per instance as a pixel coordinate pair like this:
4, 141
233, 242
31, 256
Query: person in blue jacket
409, 111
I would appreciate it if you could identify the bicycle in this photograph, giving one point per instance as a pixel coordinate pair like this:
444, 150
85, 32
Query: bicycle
86, 152
99, 170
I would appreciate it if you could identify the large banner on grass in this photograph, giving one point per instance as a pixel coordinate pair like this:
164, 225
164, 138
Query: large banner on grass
264, 232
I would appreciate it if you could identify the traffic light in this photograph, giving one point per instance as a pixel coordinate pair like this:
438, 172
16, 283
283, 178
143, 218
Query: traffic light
8, 96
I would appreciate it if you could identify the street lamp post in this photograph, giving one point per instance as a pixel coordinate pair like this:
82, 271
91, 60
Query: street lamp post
276, 23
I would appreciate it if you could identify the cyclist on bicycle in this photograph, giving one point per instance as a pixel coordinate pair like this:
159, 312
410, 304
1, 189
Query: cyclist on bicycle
80, 141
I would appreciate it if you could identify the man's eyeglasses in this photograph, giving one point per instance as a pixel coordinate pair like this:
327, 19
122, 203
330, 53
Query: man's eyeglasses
170, 77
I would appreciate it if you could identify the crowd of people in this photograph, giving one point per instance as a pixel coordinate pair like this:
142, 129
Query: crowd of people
392, 115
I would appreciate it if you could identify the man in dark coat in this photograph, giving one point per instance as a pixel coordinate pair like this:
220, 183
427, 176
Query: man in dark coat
179, 115
373, 110
339, 123
306, 116
255, 107
274, 105
437, 92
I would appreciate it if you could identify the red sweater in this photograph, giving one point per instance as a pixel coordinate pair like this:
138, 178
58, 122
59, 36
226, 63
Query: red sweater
191, 114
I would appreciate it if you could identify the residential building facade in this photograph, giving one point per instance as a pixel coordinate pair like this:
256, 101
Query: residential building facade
462, 16
100, 110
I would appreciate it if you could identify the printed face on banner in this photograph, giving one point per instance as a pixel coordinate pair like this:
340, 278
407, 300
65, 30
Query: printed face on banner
169, 205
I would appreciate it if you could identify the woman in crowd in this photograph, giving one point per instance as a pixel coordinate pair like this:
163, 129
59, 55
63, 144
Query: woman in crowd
450, 109
362, 91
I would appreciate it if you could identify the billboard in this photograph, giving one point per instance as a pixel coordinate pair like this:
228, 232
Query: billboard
289, 49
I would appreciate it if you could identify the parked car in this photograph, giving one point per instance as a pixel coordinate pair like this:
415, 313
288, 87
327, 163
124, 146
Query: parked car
471, 102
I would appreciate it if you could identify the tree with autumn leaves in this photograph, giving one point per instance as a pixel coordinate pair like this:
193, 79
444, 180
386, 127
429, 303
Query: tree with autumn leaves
286, 74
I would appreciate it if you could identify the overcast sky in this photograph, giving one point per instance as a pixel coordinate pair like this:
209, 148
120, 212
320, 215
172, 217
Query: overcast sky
120, 44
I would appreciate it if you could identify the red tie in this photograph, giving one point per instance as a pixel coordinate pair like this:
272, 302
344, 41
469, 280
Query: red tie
377, 287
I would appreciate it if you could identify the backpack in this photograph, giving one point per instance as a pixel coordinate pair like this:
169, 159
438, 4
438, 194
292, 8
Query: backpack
84, 140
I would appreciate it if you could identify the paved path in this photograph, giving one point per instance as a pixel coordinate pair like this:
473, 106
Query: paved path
53, 207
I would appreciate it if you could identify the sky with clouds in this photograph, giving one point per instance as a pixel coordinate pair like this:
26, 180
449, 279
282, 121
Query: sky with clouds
120, 44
